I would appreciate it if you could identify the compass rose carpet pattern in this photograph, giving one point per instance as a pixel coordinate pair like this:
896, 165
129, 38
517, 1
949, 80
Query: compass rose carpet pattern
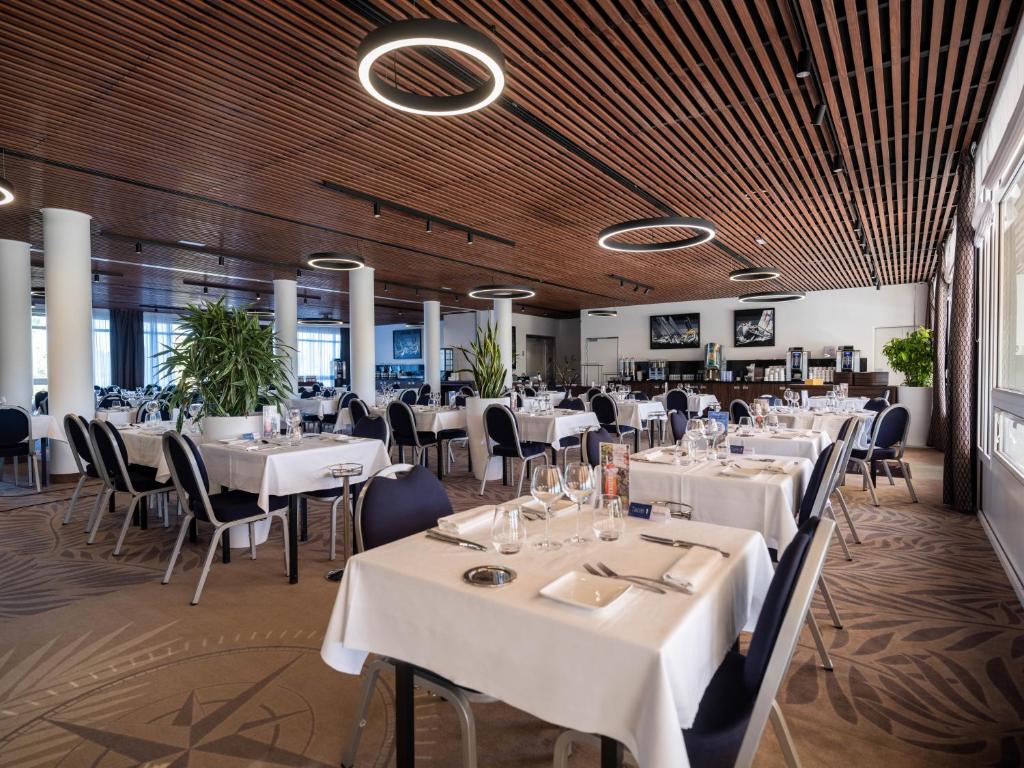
100, 665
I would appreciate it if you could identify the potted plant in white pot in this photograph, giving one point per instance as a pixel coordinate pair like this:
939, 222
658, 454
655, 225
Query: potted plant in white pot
484, 358
227, 358
911, 355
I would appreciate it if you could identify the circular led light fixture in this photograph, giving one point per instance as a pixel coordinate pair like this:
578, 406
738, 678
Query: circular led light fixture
323, 321
750, 298
413, 33
751, 274
263, 314
335, 262
38, 293
6, 191
602, 313
705, 229
502, 292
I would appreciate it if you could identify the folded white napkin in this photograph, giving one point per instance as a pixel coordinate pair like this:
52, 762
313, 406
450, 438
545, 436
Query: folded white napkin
692, 570
535, 506
742, 473
460, 523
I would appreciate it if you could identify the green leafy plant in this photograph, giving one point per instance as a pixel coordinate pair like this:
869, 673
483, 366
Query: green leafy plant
484, 358
911, 355
227, 358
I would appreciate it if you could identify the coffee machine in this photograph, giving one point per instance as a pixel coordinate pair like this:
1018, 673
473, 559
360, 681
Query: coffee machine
713, 362
847, 359
796, 364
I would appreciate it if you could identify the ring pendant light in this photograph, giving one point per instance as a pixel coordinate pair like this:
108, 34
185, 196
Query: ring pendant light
413, 33
502, 292
602, 313
705, 228
324, 321
751, 274
336, 262
6, 188
771, 296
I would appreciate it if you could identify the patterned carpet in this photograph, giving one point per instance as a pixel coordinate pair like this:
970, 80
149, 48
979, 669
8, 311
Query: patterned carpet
100, 665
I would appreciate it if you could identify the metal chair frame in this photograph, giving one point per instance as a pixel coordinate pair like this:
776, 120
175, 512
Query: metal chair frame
31, 458
525, 460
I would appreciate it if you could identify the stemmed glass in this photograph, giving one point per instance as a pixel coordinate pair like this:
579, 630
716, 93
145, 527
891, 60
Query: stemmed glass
547, 488
695, 431
579, 484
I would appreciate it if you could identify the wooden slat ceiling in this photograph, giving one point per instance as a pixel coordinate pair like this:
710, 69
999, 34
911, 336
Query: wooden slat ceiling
218, 122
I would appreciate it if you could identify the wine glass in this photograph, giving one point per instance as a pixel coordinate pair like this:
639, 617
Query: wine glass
508, 532
546, 487
608, 521
579, 484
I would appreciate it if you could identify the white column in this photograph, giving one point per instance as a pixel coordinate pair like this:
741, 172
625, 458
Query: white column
503, 320
68, 263
286, 327
432, 344
361, 333
16, 323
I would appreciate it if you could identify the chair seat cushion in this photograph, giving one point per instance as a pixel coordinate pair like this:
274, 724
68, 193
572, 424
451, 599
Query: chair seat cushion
716, 735
452, 434
146, 481
528, 449
229, 506
879, 453
18, 449
427, 438
620, 429
569, 442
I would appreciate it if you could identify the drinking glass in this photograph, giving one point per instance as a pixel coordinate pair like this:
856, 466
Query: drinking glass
294, 426
508, 532
579, 484
695, 432
677, 452
745, 425
546, 487
608, 521
772, 422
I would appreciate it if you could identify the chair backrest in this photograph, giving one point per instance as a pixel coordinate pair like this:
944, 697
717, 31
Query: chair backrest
317, 387
15, 425
592, 445
677, 425
423, 399
347, 398
604, 408
399, 501
76, 429
39, 398
111, 457
876, 404
408, 396
737, 410
883, 395
573, 404
822, 481
774, 650
423, 390
375, 427
529, 391
891, 428
467, 391
165, 411
110, 401
593, 391
637, 395
501, 427
676, 400
188, 471
402, 422
357, 410
460, 401
306, 394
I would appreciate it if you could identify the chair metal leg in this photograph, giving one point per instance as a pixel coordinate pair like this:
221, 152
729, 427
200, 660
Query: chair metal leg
812, 624
830, 603
905, 468
888, 472
846, 514
34, 464
252, 541
101, 507
464, 712
837, 533
783, 736
373, 670
522, 477
483, 480
127, 522
177, 547
74, 500
284, 535
92, 514
334, 526
207, 563
866, 474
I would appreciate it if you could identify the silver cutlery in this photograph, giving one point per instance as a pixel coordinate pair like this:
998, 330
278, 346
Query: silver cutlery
640, 583
663, 584
446, 538
681, 543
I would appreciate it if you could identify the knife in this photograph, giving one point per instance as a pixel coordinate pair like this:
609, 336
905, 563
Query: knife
681, 543
439, 536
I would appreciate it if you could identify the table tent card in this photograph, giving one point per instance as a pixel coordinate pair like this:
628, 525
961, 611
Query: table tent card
615, 471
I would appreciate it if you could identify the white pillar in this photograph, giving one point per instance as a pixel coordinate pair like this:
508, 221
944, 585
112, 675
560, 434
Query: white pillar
16, 323
68, 263
361, 333
503, 320
286, 327
432, 344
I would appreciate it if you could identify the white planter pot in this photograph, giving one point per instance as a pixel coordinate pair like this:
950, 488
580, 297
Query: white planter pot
917, 400
223, 427
475, 407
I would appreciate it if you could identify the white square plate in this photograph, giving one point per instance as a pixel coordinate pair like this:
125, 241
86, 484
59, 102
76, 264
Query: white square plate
584, 590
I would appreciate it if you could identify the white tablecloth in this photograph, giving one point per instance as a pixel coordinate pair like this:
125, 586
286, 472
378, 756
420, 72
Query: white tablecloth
831, 423
47, 426
634, 412
316, 406
551, 429
784, 443
117, 415
145, 447
852, 403
431, 419
555, 397
634, 671
767, 503
694, 403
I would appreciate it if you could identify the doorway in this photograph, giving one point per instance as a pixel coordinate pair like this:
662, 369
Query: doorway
882, 337
602, 360
540, 357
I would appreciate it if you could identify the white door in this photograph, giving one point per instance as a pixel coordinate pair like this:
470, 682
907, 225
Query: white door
882, 337
601, 361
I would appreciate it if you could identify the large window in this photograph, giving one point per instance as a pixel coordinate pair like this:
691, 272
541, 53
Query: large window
159, 331
1011, 310
100, 349
318, 346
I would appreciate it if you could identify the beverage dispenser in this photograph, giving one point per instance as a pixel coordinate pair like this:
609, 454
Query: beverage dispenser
713, 361
847, 359
796, 364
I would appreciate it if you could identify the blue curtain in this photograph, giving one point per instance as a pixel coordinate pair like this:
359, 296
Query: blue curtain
127, 354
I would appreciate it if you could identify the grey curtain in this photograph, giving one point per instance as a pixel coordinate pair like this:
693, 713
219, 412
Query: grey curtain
127, 349
958, 477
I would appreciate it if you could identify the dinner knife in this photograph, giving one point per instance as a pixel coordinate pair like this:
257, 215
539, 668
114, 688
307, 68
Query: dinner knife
681, 543
439, 536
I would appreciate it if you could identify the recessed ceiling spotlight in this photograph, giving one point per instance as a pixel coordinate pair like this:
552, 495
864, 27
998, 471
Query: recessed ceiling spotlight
469, 238
376, 209
760, 241
750, 274
602, 313
803, 64
96, 277
192, 243
705, 228
836, 164
138, 247
502, 292
37, 292
770, 296
413, 33
430, 226
335, 262
220, 261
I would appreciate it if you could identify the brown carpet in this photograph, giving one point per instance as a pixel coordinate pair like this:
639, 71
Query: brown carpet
100, 665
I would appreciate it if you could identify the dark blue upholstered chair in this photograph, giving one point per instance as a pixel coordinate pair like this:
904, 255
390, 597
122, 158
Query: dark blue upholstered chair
503, 442
888, 441
592, 443
676, 400
737, 410
16, 442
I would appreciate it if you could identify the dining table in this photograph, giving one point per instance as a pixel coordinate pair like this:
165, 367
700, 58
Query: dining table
696, 402
549, 427
633, 671
314, 406
784, 441
830, 422
760, 493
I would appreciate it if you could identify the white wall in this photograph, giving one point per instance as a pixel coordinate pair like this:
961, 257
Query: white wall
383, 341
824, 318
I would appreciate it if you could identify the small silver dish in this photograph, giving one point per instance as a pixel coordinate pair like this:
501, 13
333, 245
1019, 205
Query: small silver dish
489, 576
347, 469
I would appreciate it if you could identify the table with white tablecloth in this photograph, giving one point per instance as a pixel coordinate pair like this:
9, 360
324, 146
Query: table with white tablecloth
314, 406
634, 671
551, 428
695, 403
830, 423
118, 415
430, 418
766, 502
806, 444
849, 403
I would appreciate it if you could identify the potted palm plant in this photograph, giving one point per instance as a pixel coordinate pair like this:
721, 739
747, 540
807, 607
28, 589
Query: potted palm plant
911, 355
484, 358
226, 358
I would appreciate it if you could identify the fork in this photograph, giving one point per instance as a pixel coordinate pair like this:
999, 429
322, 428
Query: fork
641, 583
663, 584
